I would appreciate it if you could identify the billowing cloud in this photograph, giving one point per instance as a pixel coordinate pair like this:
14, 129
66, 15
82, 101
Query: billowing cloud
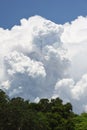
40, 59
74, 38
32, 58
19, 63
73, 92
73, 88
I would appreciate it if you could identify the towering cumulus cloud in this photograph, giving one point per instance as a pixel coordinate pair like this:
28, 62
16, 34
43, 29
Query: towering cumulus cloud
40, 59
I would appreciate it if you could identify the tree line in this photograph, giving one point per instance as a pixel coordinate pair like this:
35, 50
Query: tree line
20, 114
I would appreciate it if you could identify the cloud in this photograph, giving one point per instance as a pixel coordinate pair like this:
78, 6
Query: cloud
73, 92
19, 63
32, 58
40, 59
6, 84
75, 40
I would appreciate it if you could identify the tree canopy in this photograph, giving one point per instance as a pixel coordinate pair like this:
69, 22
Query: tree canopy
19, 114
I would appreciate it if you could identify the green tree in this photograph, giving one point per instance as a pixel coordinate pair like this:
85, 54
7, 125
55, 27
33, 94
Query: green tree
19, 114
81, 122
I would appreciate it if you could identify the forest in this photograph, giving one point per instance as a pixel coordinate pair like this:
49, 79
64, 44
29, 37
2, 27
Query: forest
53, 114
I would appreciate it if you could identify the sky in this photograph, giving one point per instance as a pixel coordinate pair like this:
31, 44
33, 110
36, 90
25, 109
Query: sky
43, 50
58, 11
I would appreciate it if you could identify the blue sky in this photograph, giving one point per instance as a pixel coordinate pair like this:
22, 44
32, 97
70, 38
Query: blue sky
59, 11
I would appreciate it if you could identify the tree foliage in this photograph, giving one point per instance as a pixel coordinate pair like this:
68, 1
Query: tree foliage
19, 114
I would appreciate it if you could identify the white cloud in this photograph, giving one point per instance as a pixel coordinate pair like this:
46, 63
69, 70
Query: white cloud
32, 58
73, 92
5, 84
39, 59
74, 39
75, 32
19, 63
